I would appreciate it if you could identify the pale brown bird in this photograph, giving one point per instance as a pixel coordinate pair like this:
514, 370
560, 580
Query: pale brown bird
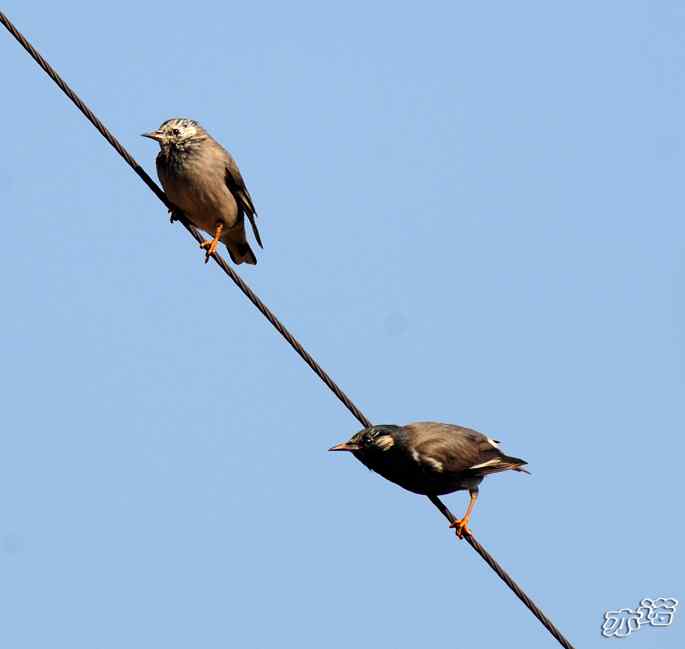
202, 179
431, 459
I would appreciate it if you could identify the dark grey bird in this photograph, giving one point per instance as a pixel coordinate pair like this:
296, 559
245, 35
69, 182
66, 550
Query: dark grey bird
202, 180
431, 459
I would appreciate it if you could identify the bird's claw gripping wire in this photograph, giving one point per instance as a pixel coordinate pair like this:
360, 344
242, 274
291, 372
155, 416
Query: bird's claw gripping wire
461, 524
211, 246
461, 527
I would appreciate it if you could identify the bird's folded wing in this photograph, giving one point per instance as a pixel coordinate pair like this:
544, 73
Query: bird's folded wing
236, 185
447, 454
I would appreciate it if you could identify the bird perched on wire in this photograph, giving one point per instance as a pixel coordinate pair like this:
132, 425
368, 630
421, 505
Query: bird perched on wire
431, 459
202, 180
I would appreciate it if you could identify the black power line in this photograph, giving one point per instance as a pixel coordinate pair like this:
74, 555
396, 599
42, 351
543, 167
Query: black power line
268, 314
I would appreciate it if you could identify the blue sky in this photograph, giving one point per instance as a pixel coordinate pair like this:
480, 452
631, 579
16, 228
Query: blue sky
471, 214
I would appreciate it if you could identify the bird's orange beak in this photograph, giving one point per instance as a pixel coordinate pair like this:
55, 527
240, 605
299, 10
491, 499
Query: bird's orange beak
345, 446
154, 135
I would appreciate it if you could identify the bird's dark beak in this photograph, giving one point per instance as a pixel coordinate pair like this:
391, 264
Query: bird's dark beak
345, 446
154, 135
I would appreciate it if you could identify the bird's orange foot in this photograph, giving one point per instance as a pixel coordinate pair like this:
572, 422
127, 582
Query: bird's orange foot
461, 527
210, 248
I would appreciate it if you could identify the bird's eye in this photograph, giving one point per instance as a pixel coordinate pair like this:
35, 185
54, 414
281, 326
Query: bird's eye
176, 132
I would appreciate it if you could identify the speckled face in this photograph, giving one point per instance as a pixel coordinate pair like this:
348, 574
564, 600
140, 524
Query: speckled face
179, 129
175, 131
369, 441
374, 438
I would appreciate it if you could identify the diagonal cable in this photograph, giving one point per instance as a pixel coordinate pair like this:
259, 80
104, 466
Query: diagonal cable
267, 313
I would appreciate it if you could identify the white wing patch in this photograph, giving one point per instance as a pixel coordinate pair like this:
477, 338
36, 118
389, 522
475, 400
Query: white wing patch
492, 462
436, 464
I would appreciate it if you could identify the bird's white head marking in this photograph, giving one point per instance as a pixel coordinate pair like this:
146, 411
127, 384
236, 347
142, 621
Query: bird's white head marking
176, 131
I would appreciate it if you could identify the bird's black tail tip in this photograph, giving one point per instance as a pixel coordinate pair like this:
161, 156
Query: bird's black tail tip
515, 463
241, 253
518, 466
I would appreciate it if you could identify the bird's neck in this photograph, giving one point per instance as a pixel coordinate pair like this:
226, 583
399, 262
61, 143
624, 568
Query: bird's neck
176, 153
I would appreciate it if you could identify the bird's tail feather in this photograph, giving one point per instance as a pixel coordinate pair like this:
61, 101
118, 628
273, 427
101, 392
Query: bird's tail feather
515, 464
501, 462
241, 252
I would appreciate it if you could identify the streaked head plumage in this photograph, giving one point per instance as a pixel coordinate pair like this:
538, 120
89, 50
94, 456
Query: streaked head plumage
176, 130
370, 439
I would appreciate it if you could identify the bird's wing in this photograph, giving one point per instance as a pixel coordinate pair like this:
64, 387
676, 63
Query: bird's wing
236, 185
452, 449
445, 448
